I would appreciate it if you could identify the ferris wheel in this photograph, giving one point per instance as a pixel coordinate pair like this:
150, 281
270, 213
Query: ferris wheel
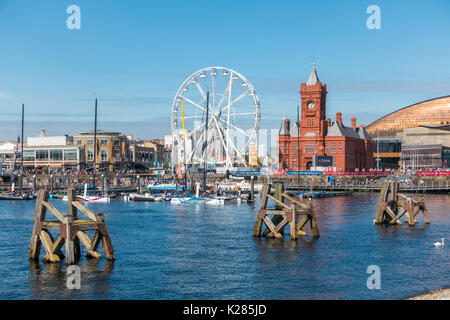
215, 117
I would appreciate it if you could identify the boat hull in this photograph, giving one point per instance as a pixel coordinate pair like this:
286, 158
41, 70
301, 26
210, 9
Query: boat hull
90, 199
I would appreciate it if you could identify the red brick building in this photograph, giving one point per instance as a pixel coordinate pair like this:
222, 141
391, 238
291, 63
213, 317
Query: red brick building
350, 147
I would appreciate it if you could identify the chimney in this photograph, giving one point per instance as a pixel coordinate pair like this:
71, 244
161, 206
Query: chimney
288, 125
42, 133
339, 117
354, 123
328, 122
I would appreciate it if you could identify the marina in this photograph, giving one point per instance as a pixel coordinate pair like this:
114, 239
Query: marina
227, 155
200, 253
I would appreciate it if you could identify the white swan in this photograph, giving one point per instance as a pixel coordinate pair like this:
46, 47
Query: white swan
438, 244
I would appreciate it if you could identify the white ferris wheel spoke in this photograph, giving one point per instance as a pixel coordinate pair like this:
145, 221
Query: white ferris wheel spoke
227, 156
208, 139
189, 117
201, 90
200, 139
244, 94
224, 94
243, 114
213, 79
232, 125
195, 104
230, 142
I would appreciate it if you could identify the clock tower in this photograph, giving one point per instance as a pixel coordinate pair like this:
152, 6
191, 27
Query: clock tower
313, 124
345, 148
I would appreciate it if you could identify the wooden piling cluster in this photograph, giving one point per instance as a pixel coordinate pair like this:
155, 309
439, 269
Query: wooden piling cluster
71, 231
392, 206
287, 210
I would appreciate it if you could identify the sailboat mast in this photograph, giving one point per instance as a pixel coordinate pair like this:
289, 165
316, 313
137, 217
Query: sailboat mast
206, 140
21, 151
298, 148
95, 142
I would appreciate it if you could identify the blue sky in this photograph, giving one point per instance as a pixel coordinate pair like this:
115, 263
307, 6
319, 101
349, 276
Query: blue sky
133, 55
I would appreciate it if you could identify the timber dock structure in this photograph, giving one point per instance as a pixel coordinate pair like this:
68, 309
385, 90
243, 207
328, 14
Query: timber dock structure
71, 231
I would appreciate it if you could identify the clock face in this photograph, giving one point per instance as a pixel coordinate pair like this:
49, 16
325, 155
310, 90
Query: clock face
310, 105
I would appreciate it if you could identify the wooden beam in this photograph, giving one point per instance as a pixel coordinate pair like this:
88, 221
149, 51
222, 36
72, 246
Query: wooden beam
84, 238
293, 223
381, 203
39, 216
293, 200
314, 225
279, 227
57, 245
262, 206
85, 210
48, 244
53, 210
70, 250
271, 226
71, 197
396, 219
106, 240
279, 202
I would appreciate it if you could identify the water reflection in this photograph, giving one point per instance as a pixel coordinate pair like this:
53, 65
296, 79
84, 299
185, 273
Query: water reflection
165, 251
48, 280
303, 243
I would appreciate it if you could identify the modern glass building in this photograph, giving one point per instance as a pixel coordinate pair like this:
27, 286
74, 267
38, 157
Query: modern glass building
53, 157
387, 153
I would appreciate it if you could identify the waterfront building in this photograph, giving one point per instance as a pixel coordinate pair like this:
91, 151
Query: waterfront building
426, 147
141, 156
433, 112
7, 155
413, 136
168, 141
52, 153
387, 153
322, 143
113, 149
161, 155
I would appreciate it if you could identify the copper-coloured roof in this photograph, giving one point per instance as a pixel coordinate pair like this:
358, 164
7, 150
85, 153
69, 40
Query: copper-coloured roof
429, 112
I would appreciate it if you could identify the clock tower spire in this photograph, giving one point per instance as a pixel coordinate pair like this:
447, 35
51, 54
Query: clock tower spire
313, 119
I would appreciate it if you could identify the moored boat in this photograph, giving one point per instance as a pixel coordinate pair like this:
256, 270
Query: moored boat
8, 196
145, 197
221, 201
86, 198
187, 200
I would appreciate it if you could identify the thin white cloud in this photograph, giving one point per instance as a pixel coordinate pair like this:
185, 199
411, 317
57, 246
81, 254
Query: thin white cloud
5, 95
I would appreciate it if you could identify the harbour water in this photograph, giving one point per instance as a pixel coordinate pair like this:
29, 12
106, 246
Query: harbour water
166, 251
